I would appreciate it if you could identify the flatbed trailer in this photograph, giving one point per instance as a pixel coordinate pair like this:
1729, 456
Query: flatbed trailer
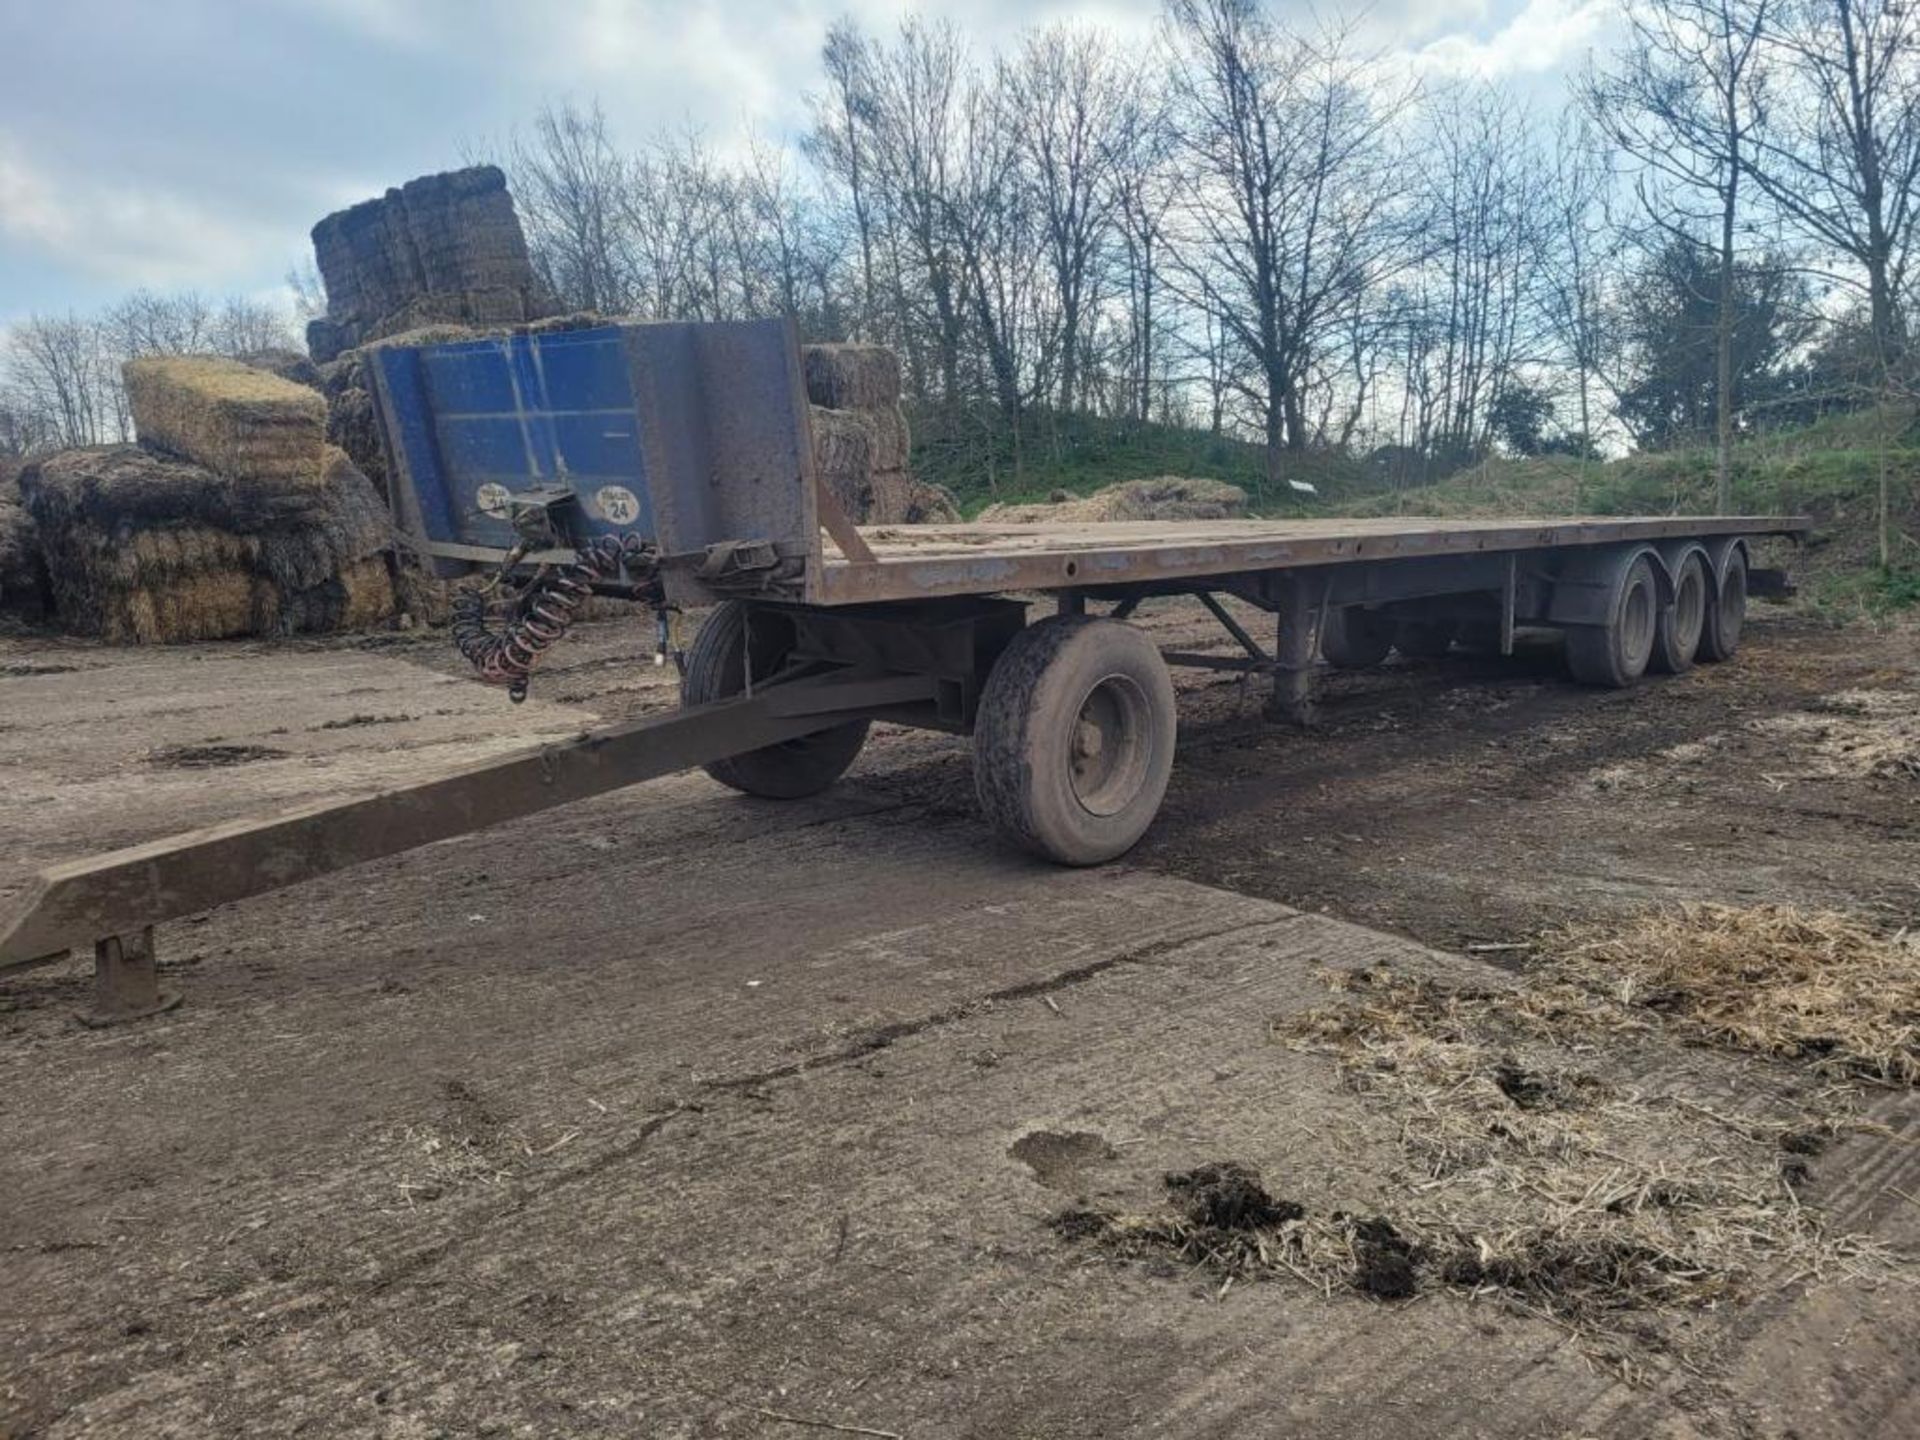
673, 464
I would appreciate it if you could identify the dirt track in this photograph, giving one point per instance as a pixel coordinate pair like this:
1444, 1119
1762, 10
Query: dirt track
674, 1113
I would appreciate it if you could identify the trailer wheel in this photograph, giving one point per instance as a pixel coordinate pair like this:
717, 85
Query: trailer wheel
1676, 638
1353, 638
1074, 739
716, 669
1424, 639
1616, 654
1727, 610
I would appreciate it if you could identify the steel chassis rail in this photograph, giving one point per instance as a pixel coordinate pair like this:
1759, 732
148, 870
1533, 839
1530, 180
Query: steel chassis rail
113, 901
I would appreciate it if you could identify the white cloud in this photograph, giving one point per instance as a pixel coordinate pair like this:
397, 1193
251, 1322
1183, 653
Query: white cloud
133, 234
1543, 36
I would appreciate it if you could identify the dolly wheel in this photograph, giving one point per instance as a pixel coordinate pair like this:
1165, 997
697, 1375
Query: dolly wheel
1676, 639
1727, 612
1074, 739
1616, 654
716, 670
1353, 638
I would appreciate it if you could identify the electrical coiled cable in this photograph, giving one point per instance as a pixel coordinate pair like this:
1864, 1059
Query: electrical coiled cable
540, 615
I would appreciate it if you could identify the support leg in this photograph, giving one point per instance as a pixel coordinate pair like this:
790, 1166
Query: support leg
126, 986
1296, 640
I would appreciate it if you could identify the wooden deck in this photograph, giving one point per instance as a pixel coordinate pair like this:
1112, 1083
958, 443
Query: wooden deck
919, 561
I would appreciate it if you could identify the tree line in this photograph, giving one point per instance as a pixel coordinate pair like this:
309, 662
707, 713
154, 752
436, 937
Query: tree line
60, 374
1266, 229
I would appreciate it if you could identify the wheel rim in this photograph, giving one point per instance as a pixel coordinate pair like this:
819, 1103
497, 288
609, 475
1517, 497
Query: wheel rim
1637, 617
1111, 749
1733, 604
1689, 610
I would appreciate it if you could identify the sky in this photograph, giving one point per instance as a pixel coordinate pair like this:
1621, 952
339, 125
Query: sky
193, 143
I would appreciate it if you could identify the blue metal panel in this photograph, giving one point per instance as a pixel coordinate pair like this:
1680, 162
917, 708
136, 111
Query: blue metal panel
476, 419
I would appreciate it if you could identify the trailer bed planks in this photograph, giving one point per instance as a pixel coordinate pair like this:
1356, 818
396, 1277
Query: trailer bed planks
922, 561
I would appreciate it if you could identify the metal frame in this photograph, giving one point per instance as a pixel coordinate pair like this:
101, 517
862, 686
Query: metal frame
1226, 555
921, 662
126, 892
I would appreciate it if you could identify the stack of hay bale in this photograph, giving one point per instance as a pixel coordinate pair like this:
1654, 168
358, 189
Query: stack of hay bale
443, 249
23, 575
860, 438
232, 517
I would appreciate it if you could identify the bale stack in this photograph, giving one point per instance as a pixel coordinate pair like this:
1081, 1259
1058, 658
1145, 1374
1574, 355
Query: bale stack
234, 517
443, 249
236, 420
860, 437
23, 574
843, 458
291, 365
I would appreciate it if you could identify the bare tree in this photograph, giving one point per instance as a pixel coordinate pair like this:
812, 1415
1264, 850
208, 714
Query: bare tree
994, 218
1576, 256
1143, 194
1480, 234
1839, 155
243, 325
1286, 201
1839, 149
840, 143
1684, 99
59, 371
573, 190
916, 116
1068, 93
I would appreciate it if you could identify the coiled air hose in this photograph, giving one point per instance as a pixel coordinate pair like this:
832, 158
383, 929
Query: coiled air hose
540, 615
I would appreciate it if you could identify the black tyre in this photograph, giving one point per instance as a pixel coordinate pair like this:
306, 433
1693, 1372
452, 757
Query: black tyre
1424, 639
1726, 610
1676, 638
1616, 654
1074, 739
1354, 639
717, 669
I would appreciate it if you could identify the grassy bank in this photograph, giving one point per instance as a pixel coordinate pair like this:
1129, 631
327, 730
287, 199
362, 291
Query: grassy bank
1092, 453
1829, 471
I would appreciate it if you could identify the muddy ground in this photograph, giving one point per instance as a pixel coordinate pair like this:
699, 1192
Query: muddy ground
677, 1114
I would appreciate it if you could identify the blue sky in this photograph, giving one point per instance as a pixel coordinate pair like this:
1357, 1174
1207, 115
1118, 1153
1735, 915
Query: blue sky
195, 142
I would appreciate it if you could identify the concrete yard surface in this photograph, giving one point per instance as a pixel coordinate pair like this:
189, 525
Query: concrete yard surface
677, 1114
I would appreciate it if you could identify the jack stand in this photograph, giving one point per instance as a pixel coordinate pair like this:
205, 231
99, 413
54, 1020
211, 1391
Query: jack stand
1296, 641
126, 985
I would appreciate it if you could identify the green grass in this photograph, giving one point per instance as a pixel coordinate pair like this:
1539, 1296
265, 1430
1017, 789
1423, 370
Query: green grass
1829, 470
1091, 453
1867, 590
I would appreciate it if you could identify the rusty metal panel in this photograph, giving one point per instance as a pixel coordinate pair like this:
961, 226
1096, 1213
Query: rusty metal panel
688, 435
725, 430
